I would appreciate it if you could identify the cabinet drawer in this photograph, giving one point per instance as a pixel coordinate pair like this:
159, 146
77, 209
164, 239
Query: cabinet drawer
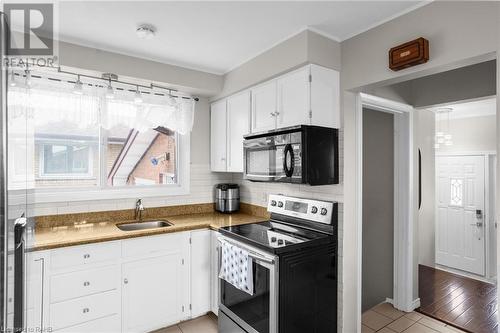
83, 283
109, 324
81, 310
153, 244
86, 254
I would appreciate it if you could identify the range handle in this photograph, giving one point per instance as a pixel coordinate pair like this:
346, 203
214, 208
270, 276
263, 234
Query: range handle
19, 272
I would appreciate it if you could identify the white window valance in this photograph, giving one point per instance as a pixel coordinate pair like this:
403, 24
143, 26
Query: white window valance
54, 105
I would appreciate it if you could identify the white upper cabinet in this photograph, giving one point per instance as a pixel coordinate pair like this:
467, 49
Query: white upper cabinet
325, 97
238, 124
306, 96
293, 98
230, 121
264, 106
218, 123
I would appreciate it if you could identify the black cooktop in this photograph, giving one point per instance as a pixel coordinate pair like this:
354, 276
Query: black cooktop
274, 236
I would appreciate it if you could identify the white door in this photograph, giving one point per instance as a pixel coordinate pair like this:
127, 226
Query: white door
460, 239
294, 98
218, 136
152, 293
264, 107
238, 124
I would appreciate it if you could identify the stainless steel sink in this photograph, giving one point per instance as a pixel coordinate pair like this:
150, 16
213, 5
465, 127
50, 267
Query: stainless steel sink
132, 226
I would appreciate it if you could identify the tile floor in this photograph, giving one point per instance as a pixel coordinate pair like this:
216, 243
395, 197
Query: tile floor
385, 319
205, 324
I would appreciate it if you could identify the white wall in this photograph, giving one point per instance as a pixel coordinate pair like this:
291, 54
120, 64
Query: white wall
95, 60
424, 139
474, 134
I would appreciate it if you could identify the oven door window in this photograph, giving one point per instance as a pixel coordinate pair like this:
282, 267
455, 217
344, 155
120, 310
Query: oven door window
252, 309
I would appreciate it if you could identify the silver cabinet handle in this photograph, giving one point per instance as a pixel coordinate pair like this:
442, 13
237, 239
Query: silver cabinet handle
477, 224
86, 310
273, 114
86, 256
86, 284
125, 281
276, 113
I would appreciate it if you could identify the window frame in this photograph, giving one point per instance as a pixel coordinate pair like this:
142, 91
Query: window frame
68, 194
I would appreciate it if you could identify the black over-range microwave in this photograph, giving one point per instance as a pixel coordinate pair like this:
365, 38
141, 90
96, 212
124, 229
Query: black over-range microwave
301, 154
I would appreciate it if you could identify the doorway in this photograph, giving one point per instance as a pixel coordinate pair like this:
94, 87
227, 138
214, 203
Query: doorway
457, 281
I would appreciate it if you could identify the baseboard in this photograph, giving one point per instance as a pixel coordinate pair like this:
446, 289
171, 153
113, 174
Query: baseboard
416, 304
389, 300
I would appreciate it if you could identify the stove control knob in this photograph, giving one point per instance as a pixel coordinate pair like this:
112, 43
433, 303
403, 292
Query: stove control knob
280, 242
323, 211
273, 239
314, 209
280, 204
273, 202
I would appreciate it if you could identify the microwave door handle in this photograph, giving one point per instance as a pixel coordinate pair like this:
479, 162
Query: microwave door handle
288, 169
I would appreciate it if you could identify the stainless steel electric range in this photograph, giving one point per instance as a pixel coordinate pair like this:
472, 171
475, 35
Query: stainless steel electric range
294, 261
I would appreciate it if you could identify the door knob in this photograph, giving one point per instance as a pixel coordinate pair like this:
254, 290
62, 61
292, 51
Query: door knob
125, 281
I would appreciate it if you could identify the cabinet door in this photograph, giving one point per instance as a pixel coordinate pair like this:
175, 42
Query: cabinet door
238, 124
214, 280
264, 106
152, 293
200, 272
218, 136
293, 98
325, 91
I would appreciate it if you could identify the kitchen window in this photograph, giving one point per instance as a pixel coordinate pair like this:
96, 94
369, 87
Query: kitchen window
89, 146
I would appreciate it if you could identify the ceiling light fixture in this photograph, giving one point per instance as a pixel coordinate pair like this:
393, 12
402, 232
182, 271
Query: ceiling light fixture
137, 97
145, 31
78, 88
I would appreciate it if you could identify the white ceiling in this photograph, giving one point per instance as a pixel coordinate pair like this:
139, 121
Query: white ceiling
479, 108
215, 36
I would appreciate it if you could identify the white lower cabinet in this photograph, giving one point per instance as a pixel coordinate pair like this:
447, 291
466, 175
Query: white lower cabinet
214, 274
132, 285
200, 272
152, 293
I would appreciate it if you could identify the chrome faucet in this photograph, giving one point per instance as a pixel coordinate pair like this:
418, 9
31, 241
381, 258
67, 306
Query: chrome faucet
139, 208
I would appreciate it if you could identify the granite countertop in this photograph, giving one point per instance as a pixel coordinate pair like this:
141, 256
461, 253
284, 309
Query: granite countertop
46, 237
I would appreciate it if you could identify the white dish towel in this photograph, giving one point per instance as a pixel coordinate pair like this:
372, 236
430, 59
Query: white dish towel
236, 267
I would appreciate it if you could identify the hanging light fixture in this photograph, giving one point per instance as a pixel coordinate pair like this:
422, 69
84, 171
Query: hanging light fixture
138, 97
443, 137
12, 79
171, 99
78, 88
28, 80
110, 93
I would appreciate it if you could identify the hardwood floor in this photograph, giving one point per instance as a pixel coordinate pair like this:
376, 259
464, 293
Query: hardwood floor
468, 304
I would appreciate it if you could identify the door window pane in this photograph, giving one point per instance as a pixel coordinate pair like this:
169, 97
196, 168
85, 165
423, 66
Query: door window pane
456, 192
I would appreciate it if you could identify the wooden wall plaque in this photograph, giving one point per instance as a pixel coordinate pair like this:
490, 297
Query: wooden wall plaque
409, 54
